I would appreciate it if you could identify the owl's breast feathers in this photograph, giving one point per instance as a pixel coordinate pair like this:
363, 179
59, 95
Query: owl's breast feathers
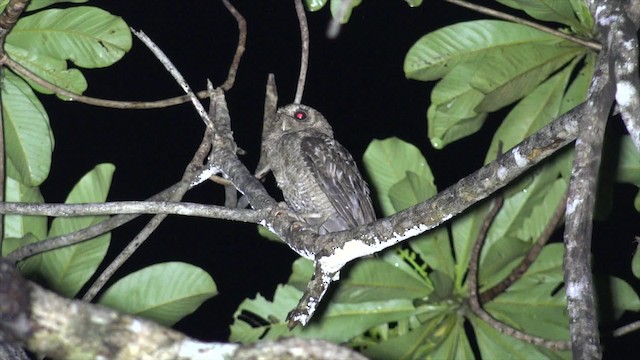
320, 180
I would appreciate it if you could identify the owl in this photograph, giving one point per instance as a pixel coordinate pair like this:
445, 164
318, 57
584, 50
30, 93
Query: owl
318, 177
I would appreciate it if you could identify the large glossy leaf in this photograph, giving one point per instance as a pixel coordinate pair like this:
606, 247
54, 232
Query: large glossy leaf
164, 293
495, 345
441, 338
39, 4
68, 268
17, 226
259, 318
367, 280
518, 225
547, 10
387, 162
51, 69
433, 247
377, 280
536, 303
438, 52
635, 262
464, 231
628, 170
537, 109
508, 74
27, 131
87, 36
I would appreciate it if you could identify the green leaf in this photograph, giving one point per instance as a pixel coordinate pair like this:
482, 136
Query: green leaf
259, 318
623, 296
336, 6
164, 293
367, 280
581, 9
17, 226
387, 162
438, 52
411, 190
494, 345
27, 131
546, 10
87, 36
635, 262
577, 90
629, 162
445, 128
414, 3
39, 4
464, 230
452, 114
30, 266
377, 280
433, 247
68, 268
265, 233
508, 74
51, 69
315, 5
518, 225
536, 303
443, 337
536, 110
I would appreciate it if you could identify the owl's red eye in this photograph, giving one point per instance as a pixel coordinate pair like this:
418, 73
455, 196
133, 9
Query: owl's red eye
300, 114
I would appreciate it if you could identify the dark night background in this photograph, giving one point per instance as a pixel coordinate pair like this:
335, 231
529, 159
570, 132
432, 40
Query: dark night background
356, 81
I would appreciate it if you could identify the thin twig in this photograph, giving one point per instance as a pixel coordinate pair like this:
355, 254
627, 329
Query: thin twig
130, 207
162, 57
474, 303
114, 104
626, 329
304, 59
242, 39
531, 256
500, 15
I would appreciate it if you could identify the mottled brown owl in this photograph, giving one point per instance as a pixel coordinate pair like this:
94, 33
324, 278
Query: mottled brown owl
317, 176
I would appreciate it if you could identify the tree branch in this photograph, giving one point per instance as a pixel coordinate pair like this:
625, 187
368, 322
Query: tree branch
61, 328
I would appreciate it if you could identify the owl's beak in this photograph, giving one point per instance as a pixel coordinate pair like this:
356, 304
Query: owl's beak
285, 123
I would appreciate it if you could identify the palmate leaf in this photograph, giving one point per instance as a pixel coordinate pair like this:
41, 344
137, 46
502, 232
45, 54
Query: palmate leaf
533, 112
259, 318
443, 337
67, 269
164, 293
536, 303
87, 36
438, 52
387, 162
27, 131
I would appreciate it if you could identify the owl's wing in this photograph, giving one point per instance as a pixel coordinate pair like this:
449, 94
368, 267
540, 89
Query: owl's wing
338, 176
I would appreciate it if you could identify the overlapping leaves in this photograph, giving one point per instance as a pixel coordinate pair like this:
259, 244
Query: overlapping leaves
485, 65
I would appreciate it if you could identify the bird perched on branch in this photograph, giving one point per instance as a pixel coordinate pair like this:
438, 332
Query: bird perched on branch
318, 177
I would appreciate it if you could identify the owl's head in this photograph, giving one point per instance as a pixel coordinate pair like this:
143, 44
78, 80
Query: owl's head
297, 117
